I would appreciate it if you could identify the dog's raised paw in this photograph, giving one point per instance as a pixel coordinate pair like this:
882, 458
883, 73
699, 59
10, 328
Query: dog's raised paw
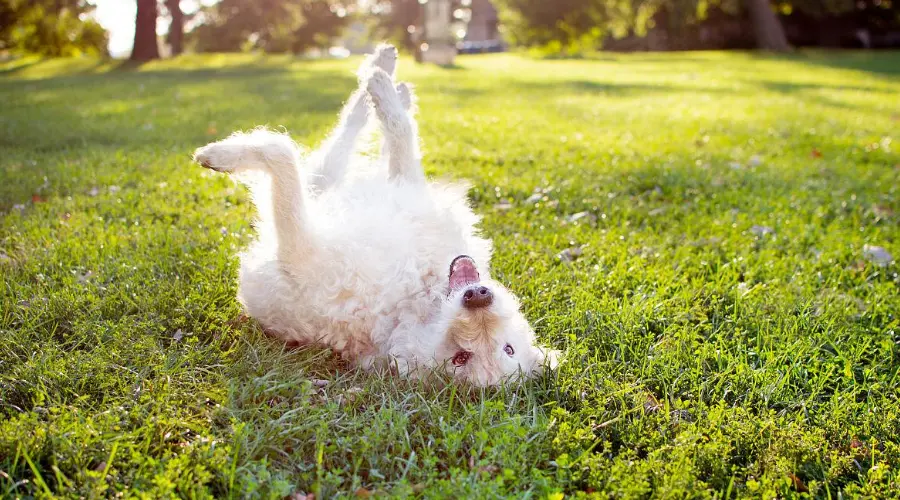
380, 88
214, 157
384, 57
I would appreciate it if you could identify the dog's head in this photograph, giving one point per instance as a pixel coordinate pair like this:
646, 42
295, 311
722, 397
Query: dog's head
486, 339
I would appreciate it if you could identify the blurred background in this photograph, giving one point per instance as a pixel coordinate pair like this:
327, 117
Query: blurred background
149, 29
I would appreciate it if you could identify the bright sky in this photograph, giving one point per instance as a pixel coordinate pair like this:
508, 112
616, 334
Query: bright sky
117, 16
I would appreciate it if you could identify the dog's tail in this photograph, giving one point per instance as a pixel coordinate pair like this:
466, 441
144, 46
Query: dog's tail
281, 201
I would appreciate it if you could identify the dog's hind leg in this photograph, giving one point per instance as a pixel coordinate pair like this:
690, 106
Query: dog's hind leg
279, 157
399, 128
329, 162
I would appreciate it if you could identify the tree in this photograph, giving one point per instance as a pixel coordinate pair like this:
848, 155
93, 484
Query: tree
51, 27
397, 20
766, 26
270, 25
575, 25
175, 37
145, 44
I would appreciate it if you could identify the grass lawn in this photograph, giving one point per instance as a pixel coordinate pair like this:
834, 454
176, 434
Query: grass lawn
727, 330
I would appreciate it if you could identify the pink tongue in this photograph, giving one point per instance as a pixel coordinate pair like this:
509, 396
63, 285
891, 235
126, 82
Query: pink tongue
463, 273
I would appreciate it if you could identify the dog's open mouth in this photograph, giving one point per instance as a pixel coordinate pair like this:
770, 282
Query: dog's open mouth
463, 272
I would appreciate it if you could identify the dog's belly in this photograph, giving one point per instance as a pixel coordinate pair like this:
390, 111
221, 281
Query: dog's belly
357, 314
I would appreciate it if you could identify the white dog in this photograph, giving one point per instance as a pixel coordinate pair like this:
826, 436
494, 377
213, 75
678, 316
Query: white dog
381, 266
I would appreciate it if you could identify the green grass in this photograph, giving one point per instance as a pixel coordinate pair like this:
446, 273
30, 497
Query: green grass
704, 357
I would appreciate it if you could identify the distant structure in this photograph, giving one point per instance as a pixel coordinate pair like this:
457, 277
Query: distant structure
483, 30
439, 43
485, 24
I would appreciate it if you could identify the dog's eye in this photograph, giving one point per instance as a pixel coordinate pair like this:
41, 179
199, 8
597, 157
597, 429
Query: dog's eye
461, 358
509, 349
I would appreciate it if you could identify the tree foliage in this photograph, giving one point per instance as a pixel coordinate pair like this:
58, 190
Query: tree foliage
396, 20
573, 25
51, 27
269, 25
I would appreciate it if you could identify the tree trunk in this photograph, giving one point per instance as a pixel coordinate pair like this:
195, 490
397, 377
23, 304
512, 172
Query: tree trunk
145, 46
766, 26
176, 27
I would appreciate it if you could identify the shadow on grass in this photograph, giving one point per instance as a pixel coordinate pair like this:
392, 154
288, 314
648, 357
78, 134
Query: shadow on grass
18, 68
880, 63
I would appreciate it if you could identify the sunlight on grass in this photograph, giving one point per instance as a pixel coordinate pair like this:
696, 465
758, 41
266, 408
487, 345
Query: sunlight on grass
728, 329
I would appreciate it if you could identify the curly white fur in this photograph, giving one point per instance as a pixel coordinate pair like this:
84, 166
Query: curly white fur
359, 260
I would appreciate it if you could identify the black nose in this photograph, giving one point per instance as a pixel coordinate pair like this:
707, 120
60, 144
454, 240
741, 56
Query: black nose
477, 297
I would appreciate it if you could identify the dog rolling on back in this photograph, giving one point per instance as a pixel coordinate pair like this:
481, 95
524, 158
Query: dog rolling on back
376, 262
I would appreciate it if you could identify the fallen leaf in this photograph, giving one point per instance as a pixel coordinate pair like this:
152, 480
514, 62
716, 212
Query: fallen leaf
581, 215
799, 485
651, 405
816, 153
418, 487
569, 255
877, 255
211, 130
882, 211
240, 320
36, 198
362, 493
859, 265
489, 469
